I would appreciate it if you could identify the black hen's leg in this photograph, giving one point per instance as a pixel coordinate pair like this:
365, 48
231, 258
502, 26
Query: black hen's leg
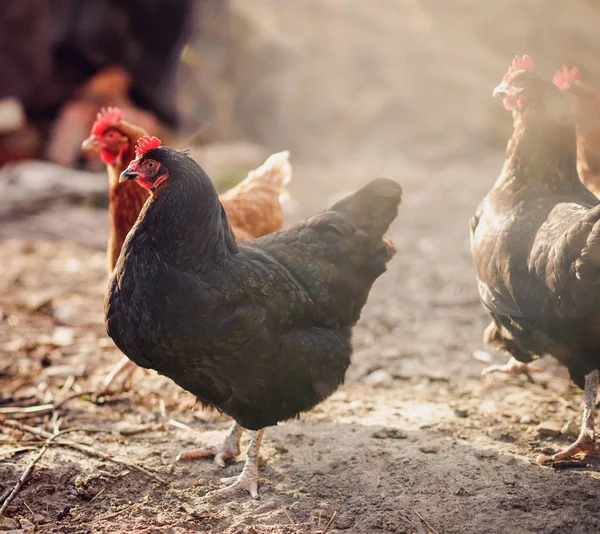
227, 450
586, 442
248, 478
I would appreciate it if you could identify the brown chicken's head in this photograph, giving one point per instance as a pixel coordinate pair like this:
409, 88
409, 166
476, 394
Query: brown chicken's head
108, 137
146, 168
528, 95
566, 78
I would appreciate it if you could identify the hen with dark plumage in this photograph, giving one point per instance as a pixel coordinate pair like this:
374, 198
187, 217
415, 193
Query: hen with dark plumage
260, 330
535, 241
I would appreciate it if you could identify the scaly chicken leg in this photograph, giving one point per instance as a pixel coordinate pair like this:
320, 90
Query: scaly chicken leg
227, 450
511, 367
586, 442
248, 478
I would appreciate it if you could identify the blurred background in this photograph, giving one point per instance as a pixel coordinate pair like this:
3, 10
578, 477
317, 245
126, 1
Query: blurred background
395, 87
326, 79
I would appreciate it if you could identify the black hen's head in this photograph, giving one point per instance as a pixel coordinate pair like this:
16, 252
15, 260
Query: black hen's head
149, 167
155, 166
529, 96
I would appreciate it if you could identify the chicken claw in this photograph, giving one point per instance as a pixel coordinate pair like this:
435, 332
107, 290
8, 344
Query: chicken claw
248, 478
586, 442
227, 450
511, 367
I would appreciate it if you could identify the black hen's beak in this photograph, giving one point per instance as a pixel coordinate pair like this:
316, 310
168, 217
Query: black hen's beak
128, 175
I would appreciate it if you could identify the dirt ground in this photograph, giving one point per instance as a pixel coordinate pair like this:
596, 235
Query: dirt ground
416, 441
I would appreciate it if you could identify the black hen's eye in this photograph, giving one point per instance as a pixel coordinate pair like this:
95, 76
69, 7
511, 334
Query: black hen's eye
150, 164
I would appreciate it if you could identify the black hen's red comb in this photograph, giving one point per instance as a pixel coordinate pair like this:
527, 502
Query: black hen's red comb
565, 77
106, 118
519, 63
145, 144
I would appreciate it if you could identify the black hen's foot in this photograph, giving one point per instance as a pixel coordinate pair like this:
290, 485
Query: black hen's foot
248, 479
229, 449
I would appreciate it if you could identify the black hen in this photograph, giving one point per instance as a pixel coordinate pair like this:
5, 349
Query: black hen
536, 243
260, 330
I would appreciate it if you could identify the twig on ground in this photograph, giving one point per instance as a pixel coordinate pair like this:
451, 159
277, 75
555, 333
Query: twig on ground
141, 428
40, 409
97, 495
324, 531
28, 470
426, 523
177, 424
71, 396
11, 452
126, 509
115, 514
289, 516
82, 448
10, 410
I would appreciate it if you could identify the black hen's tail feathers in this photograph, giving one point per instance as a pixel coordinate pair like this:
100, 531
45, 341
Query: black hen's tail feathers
373, 207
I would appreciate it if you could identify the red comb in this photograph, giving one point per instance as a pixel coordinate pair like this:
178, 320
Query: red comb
519, 63
106, 118
566, 77
145, 144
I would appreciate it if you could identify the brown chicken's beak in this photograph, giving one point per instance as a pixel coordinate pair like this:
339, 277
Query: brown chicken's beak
128, 175
91, 143
501, 90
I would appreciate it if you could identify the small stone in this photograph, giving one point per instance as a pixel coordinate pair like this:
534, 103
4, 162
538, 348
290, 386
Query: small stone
7, 523
389, 433
507, 460
495, 434
26, 524
570, 428
526, 420
461, 412
549, 428
485, 454
430, 449
379, 377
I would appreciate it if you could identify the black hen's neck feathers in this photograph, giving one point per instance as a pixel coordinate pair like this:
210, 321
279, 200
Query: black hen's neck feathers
185, 218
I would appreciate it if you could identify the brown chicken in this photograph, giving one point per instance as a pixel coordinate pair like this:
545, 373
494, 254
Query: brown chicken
535, 241
109, 86
585, 103
253, 207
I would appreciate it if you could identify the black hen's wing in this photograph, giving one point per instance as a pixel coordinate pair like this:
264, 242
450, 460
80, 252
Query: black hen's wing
337, 255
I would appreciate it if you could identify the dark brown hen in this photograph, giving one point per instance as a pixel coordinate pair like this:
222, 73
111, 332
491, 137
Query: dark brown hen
260, 330
535, 241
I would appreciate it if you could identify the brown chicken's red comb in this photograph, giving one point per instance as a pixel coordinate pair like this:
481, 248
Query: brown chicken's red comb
519, 63
106, 118
145, 144
566, 77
